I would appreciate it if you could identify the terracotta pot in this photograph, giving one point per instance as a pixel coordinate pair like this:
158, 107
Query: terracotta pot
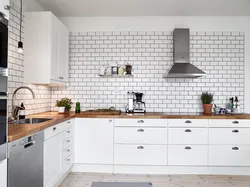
207, 108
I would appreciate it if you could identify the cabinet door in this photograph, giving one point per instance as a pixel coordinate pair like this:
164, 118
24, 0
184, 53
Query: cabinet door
3, 8
94, 141
54, 48
3, 173
63, 52
52, 160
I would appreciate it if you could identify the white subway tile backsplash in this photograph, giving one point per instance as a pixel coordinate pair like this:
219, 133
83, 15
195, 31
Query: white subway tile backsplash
219, 54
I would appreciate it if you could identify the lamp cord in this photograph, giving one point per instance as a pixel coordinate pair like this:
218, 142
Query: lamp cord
21, 18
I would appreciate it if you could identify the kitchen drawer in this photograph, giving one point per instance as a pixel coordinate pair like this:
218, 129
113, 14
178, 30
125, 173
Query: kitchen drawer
141, 122
57, 129
229, 155
187, 122
67, 163
229, 123
68, 133
187, 155
66, 152
67, 142
140, 135
229, 136
140, 154
188, 136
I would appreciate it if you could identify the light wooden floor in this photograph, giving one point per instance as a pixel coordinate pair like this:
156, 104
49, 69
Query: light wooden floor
86, 179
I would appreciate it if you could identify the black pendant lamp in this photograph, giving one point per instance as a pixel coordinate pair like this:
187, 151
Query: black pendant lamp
20, 43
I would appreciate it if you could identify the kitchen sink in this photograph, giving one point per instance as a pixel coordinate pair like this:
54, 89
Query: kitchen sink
31, 121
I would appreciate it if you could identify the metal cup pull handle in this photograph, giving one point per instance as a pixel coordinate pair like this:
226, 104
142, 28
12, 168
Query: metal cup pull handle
140, 130
188, 148
140, 121
188, 121
235, 148
140, 147
235, 131
188, 130
235, 122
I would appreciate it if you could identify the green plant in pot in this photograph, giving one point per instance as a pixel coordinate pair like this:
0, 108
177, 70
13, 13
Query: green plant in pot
64, 105
207, 99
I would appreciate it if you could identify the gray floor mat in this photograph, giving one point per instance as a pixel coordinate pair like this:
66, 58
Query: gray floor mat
121, 184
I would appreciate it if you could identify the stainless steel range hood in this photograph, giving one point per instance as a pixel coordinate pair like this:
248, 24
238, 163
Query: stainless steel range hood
182, 67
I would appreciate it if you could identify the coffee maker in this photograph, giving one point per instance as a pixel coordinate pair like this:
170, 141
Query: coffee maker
135, 103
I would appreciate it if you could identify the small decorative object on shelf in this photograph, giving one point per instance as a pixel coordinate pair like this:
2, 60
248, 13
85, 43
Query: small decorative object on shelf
207, 99
64, 105
128, 69
116, 71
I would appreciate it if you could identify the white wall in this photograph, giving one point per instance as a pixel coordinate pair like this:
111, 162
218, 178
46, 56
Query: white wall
78, 24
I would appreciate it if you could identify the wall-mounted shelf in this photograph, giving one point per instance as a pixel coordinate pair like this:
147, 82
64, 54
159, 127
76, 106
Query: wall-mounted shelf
117, 76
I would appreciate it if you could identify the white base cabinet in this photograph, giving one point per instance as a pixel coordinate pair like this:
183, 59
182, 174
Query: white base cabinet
94, 141
58, 152
160, 146
3, 173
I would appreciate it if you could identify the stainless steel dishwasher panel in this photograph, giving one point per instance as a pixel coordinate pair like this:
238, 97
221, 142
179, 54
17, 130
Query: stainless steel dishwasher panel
25, 161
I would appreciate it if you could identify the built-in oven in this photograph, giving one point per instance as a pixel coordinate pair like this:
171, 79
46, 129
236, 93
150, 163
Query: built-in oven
3, 56
3, 86
3, 128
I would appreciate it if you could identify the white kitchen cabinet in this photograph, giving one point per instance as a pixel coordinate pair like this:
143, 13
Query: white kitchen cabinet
229, 136
140, 154
52, 160
46, 49
93, 141
58, 152
188, 136
226, 155
187, 123
3, 173
187, 155
140, 122
140, 135
4, 8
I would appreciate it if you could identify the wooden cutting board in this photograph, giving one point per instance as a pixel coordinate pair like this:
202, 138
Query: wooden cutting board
93, 112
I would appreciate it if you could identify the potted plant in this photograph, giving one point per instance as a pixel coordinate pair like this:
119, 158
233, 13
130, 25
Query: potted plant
207, 99
64, 105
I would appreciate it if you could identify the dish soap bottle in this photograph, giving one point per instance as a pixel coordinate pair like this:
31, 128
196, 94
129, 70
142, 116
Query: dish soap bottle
22, 112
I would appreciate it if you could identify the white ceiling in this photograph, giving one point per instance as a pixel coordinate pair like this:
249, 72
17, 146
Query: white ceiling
68, 8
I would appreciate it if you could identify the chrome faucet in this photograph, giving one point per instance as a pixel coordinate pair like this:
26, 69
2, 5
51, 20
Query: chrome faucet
16, 109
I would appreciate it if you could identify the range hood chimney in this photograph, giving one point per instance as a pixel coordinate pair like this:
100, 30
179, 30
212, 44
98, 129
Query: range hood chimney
182, 67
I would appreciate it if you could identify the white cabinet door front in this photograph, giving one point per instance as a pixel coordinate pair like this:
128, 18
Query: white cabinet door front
63, 52
187, 155
3, 173
52, 160
140, 154
225, 155
94, 141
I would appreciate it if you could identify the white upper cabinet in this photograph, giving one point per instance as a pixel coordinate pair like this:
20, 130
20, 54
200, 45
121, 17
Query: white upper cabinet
46, 49
4, 8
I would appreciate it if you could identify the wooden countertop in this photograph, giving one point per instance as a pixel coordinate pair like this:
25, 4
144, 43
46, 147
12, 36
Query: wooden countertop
158, 115
18, 131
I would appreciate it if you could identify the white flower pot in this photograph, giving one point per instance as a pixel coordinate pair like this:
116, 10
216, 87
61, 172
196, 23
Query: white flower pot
61, 110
